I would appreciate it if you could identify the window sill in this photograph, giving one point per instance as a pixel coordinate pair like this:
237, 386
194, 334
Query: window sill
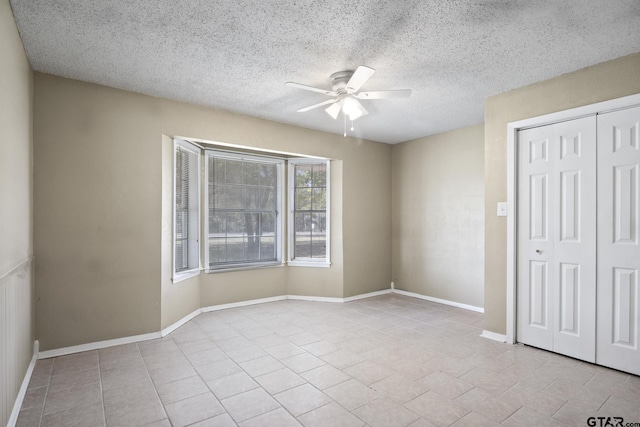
317, 264
184, 276
244, 267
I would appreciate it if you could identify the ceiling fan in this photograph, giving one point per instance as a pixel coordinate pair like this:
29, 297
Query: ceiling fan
345, 93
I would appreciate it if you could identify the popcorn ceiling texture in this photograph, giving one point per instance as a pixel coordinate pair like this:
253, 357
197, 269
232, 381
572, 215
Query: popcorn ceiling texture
236, 55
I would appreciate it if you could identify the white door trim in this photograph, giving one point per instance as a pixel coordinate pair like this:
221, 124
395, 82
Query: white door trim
512, 132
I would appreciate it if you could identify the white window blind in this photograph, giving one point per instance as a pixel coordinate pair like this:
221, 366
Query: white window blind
243, 200
187, 208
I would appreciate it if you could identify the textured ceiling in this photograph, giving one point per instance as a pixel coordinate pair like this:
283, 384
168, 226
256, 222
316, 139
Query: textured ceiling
236, 55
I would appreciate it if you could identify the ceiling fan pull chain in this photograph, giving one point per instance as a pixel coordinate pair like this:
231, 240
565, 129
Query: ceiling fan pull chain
344, 116
352, 128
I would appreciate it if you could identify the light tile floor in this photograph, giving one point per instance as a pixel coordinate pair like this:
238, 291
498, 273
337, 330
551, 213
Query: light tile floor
383, 361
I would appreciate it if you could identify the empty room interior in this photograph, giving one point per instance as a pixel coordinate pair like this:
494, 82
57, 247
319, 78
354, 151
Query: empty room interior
319, 213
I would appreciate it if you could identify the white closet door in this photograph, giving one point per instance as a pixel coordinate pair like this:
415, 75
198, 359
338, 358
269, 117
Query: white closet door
575, 239
618, 245
557, 237
535, 243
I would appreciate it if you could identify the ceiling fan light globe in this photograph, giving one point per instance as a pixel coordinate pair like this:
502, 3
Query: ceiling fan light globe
350, 107
355, 115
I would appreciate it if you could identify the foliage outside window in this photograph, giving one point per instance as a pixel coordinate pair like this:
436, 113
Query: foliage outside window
243, 203
309, 210
186, 231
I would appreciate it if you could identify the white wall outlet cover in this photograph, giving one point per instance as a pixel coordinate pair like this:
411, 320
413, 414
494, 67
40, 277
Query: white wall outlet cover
502, 208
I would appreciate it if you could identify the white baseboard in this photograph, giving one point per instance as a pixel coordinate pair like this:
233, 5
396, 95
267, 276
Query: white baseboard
367, 295
316, 299
166, 331
440, 301
242, 303
338, 300
493, 336
13, 418
97, 345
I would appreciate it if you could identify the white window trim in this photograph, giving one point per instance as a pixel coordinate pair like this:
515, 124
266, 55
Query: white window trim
279, 205
307, 262
187, 274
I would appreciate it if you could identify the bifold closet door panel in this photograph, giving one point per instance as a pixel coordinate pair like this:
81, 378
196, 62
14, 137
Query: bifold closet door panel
535, 244
575, 239
557, 238
618, 320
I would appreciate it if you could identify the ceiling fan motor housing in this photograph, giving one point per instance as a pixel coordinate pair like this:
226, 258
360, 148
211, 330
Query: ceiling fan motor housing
339, 80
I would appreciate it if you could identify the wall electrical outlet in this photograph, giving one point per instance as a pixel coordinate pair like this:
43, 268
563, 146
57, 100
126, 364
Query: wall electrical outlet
502, 208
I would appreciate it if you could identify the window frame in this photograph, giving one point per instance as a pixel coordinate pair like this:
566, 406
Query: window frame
307, 261
234, 155
178, 276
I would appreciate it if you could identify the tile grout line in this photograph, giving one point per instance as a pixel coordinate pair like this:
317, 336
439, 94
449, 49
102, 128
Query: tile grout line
146, 368
603, 403
47, 391
560, 409
104, 411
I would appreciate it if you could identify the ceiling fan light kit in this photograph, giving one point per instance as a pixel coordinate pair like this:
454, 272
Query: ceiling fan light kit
345, 86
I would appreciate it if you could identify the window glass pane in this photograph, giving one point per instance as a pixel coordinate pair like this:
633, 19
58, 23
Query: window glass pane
268, 248
217, 224
268, 175
217, 170
180, 255
303, 199
310, 201
217, 247
319, 247
319, 175
318, 235
252, 224
303, 236
235, 224
267, 198
252, 198
234, 198
319, 199
304, 175
251, 173
268, 224
244, 212
235, 249
218, 196
234, 172
181, 224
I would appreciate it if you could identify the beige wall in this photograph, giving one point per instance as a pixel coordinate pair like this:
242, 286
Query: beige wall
438, 215
367, 219
16, 213
15, 146
102, 224
609, 80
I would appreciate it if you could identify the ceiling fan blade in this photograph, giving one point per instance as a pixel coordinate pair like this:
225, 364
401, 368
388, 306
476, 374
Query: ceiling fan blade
359, 77
320, 104
311, 88
384, 94
334, 110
